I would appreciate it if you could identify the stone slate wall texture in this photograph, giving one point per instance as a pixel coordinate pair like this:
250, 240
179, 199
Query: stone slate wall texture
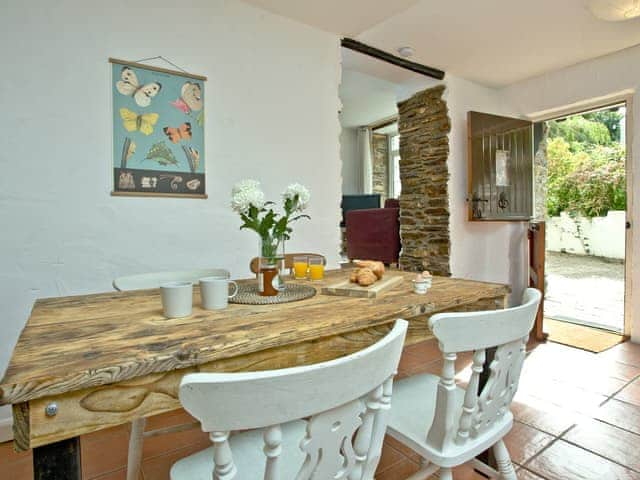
540, 177
424, 127
380, 148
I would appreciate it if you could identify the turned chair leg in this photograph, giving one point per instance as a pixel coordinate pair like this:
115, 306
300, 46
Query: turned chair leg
505, 467
136, 439
446, 474
426, 470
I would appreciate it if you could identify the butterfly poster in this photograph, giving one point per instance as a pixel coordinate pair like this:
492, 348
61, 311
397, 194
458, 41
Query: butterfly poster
158, 131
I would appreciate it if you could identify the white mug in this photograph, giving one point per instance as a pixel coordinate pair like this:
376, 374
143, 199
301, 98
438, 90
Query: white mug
214, 292
177, 299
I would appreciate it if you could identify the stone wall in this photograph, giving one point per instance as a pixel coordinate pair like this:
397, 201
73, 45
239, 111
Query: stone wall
380, 160
540, 177
424, 128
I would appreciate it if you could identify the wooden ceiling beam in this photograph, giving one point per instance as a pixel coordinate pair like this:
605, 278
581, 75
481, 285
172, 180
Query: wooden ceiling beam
365, 49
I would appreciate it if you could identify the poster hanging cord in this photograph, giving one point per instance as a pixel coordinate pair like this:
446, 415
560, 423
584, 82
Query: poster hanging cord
160, 57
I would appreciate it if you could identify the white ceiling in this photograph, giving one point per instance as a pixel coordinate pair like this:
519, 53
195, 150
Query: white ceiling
492, 42
345, 17
354, 61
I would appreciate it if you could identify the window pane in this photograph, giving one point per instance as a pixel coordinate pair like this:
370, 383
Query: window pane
397, 185
395, 143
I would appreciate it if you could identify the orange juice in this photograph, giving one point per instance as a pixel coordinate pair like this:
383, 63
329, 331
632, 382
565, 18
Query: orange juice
316, 271
300, 269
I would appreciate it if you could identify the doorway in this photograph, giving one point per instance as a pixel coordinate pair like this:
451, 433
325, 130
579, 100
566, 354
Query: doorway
585, 209
370, 154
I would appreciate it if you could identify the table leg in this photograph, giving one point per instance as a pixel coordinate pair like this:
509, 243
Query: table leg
59, 460
136, 439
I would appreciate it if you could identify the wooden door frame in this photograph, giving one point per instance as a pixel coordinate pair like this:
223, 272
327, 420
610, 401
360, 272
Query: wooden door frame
577, 108
536, 273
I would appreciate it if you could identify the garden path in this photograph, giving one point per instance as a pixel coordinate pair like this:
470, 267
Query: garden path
585, 289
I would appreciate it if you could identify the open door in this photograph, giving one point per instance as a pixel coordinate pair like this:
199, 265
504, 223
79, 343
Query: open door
500, 183
500, 165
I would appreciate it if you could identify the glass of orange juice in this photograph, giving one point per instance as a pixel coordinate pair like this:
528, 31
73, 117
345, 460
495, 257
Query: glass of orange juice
300, 267
316, 268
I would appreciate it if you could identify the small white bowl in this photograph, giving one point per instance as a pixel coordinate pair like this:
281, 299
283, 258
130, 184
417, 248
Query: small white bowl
422, 286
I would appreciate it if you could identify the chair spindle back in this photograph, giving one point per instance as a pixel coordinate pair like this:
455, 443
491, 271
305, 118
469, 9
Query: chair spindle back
505, 330
346, 400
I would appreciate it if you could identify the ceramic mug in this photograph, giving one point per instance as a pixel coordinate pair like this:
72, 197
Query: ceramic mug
214, 292
177, 299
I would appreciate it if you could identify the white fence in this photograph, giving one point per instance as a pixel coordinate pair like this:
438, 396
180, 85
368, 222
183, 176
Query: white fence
598, 236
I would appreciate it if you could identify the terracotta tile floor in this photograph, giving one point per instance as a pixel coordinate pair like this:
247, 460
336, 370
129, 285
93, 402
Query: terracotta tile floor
577, 417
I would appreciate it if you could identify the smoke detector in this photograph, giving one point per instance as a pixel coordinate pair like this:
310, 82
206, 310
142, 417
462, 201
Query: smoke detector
405, 52
615, 10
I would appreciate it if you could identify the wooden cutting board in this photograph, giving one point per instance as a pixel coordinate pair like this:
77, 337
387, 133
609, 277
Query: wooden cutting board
345, 288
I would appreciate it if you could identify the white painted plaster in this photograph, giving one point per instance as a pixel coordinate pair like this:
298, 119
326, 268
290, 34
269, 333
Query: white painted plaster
597, 236
365, 100
351, 166
272, 114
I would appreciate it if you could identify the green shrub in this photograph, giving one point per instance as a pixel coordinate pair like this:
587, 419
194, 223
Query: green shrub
585, 179
580, 133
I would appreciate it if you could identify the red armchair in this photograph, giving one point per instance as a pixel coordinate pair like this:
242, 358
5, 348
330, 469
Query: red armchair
392, 203
374, 234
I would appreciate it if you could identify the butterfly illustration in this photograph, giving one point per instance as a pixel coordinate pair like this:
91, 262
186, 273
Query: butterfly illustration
130, 86
144, 122
190, 98
183, 132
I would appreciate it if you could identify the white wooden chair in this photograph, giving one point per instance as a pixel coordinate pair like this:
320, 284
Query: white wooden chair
346, 402
145, 281
447, 425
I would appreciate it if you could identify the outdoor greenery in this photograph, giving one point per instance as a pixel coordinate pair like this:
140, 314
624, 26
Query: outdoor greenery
586, 165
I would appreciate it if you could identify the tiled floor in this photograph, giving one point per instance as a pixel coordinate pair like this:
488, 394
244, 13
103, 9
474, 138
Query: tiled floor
578, 417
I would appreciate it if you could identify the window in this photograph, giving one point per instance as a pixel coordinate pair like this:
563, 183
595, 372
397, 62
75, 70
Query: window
394, 160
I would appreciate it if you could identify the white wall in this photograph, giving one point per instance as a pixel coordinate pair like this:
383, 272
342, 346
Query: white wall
495, 251
597, 236
365, 99
351, 165
272, 114
602, 77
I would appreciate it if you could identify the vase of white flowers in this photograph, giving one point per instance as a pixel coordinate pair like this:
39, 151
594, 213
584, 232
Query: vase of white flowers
273, 229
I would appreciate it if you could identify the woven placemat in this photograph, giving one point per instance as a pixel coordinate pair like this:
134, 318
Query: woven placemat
248, 294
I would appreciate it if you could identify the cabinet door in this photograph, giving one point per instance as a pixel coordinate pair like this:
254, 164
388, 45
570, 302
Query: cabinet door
500, 168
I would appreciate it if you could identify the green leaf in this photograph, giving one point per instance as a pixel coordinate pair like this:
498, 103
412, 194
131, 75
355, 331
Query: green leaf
161, 154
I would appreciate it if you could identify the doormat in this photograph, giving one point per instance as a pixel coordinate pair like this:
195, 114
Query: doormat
578, 336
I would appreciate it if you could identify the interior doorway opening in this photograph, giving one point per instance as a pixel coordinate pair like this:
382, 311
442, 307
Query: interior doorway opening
370, 155
585, 209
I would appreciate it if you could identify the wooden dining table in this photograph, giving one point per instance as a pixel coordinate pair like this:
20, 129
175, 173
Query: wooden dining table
89, 362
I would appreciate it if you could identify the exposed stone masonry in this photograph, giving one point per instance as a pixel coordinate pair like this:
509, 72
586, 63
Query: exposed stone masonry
424, 128
540, 177
380, 160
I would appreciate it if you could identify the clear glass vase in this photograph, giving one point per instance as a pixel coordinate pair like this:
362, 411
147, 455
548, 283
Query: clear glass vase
270, 264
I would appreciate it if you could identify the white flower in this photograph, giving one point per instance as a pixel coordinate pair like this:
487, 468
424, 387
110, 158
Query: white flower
301, 191
244, 185
245, 194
